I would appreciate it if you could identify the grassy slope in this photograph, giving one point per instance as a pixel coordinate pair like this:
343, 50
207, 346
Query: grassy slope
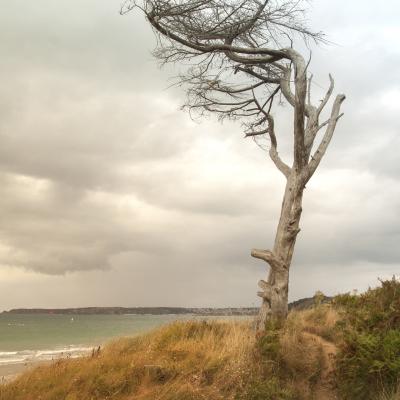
190, 360
184, 360
224, 360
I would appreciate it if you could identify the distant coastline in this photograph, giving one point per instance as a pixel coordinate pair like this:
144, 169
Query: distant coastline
203, 311
137, 311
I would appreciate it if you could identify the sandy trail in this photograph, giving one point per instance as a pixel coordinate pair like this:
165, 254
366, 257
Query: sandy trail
324, 389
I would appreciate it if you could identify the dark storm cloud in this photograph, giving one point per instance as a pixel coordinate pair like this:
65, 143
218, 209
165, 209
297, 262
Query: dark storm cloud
112, 194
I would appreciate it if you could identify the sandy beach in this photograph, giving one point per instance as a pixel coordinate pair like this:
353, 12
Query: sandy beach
8, 372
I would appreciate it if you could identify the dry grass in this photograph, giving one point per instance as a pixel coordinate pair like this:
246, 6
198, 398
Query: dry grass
192, 361
184, 360
390, 396
224, 360
307, 351
320, 320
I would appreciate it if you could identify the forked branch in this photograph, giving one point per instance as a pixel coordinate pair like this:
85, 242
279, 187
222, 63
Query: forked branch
331, 125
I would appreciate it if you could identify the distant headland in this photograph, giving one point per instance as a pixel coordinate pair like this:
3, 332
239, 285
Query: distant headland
204, 311
136, 310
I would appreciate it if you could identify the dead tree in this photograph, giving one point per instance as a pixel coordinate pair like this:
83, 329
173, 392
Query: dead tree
238, 58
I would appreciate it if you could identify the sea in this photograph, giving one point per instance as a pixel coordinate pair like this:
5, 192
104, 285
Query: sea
30, 338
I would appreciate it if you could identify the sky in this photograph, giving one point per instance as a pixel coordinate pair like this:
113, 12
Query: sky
111, 195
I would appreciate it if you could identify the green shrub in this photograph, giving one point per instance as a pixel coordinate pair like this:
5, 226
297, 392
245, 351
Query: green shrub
268, 383
376, 310
269, 345
271, 389
369, 357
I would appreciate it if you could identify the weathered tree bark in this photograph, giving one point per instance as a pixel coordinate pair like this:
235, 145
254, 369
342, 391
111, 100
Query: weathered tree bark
274, 291
253, 39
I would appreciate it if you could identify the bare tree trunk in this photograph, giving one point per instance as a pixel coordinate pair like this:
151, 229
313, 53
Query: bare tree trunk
275, 290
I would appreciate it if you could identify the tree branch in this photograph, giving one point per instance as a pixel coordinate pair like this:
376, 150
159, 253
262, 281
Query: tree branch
273, 152
266, 292
327, 96
263, 78
270, 55
236, 91
319, 153
269, 257
300, 109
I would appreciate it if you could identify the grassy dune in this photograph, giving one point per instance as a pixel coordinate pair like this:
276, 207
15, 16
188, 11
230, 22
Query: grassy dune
190, 360
324, 353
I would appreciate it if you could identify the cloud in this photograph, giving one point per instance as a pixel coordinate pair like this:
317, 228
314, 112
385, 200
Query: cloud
115, 196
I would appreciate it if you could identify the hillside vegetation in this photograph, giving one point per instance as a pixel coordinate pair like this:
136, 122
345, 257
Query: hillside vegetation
368, 361
349, 349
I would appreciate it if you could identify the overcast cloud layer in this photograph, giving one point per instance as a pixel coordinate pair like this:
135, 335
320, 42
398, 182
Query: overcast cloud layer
110, 195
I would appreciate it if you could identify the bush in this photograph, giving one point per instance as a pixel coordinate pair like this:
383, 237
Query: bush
271, 389
369, 356
376, 310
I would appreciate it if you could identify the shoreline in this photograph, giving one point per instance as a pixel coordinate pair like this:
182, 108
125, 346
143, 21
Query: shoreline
12, 370
15, 363
9, 372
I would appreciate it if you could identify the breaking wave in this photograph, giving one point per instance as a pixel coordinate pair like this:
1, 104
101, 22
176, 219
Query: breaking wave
25, 356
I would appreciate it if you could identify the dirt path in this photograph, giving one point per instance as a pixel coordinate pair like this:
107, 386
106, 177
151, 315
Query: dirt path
324, 389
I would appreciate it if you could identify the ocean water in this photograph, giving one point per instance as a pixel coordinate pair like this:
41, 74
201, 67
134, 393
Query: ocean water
26, 338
